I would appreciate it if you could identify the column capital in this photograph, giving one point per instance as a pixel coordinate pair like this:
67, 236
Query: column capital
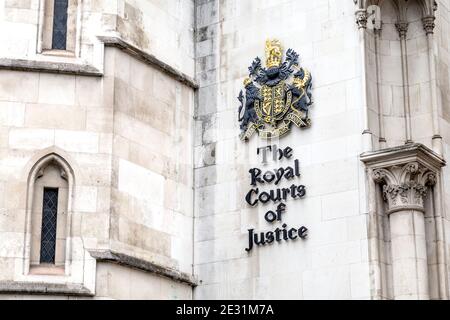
405, 187
405, 173
429, 24
402, 28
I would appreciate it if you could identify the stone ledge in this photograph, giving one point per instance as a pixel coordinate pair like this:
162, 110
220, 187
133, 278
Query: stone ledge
118, 42
40, 288
50, 67
408, 152
143, 265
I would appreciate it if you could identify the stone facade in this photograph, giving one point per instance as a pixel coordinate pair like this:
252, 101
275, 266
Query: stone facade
137, 123
120, 120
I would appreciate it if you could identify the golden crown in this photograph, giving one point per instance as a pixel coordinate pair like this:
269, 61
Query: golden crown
274, 53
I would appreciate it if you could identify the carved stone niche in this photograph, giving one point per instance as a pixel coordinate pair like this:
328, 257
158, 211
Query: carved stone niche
406, 173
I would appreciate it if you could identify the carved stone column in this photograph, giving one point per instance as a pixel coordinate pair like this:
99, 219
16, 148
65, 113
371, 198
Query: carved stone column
404, 190
428, 26
402, 28
382, 138
361, 21
406, 175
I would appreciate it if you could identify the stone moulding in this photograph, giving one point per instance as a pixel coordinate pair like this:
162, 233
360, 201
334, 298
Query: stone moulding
40, 288
90, 70
143, 265
118, 42
50, 67
402, 155
405, 173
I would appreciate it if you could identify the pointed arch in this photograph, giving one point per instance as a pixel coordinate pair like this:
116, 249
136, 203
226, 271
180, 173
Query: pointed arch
428, 7
49, 175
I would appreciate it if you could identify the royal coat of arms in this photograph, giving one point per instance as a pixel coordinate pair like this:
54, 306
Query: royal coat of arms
276, 96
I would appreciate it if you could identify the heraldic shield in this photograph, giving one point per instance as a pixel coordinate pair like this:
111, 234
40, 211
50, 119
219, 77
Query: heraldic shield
276, 96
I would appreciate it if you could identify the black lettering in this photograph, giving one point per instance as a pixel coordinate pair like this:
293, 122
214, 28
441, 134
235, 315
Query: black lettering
288, 152
280, 174
269, 177
285, 235
297, 168
303, 233
292, 234
260, 242
293, 191
286, 192
250, 240
248, 197
270, 237
280, 210
264, 197
277, 234
301, 191
277, 197
289, 173
264, 153
255, 173
270, 217
277, 153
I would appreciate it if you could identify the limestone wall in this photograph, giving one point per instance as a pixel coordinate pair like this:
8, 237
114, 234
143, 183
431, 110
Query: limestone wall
443, 76
161, 28
123, 121
74, 122
333, 262
152, 150
157, 175
120, 283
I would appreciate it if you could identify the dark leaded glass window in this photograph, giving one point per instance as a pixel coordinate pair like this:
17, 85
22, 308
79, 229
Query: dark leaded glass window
60, 24
48, 231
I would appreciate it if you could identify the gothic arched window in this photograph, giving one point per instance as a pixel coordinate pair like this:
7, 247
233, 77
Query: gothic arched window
54, 252
59, 26
49, 215
59, 39
49, 223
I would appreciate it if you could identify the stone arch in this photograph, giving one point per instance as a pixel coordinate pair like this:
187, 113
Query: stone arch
428, 7
395, 4
386, 8
392, 41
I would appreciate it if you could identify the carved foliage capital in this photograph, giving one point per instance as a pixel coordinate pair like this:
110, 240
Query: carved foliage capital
429, 24
405, 187
402, 28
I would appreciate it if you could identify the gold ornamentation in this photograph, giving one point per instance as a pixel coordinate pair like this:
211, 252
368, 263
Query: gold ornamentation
247, 82
274, 53
276, 96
